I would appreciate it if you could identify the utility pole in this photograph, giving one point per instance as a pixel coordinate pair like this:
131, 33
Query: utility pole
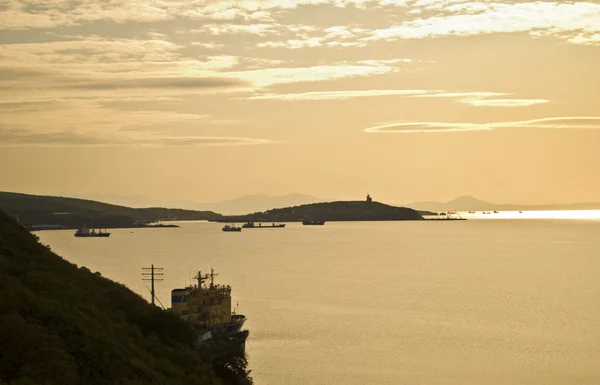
152, 276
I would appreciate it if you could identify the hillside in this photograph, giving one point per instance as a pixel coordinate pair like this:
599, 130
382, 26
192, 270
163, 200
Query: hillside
62, 324
466, 203
331, 211
73, 213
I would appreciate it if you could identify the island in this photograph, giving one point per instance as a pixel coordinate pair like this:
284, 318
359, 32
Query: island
63, 324
366, 210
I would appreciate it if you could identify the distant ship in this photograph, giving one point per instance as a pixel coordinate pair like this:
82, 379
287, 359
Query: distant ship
496, 212
308, 222
471, 212
231, 228
252, 225
486, 212
207, 308
85, 232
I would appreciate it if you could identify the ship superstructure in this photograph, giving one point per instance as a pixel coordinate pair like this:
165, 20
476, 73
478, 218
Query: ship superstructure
207, 307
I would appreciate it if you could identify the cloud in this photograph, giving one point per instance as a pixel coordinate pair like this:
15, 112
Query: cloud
474, 98
271, 76
573, 20
234, 29
310, 37
338, 95
502, 102
13, 138
90, 123
41, 14
569, 122
157, 83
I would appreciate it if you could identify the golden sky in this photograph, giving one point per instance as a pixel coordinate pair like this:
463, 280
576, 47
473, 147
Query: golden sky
207, 100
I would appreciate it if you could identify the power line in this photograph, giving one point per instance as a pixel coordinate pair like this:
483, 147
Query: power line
152, 276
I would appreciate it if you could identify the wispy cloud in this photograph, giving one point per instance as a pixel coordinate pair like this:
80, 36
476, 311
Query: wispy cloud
572, 21
234, 29
340, 70
14, 138
157, 83
90, 123
569, 122
502, 102
338, 95
473, 98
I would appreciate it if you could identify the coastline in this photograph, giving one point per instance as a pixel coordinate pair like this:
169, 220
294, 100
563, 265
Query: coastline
33, 228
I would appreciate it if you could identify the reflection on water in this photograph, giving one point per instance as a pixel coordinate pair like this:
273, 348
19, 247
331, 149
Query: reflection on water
536, 214
461, 302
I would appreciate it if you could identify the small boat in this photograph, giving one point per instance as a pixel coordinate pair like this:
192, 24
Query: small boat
252, 225
486, 212
85, 232
231, 228
471, 212
496, 212
520, 212
312, 222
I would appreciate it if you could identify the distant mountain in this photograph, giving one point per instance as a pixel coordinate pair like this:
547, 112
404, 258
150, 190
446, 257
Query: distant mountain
258, 203
134, 201
242, 205
469, 203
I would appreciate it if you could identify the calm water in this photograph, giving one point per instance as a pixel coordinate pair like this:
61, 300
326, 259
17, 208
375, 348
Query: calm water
468, 302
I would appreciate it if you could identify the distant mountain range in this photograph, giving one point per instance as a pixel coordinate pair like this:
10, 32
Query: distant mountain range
260, 202
469, 203
238, 206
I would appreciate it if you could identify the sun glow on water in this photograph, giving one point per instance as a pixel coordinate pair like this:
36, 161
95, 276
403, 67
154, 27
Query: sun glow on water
537, 214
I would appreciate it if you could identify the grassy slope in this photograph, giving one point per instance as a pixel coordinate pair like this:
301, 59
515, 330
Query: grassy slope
60, 324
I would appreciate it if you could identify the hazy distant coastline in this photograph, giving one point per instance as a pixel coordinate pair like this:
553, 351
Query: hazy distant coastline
469, 203
261, 202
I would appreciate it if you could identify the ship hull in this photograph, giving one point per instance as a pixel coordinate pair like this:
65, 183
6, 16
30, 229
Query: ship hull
313, 223
264, 227
103, 235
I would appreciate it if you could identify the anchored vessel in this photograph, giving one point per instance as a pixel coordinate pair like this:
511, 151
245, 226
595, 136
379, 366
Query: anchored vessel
252, 225
312, 222
85, 232
207, 308
231, 228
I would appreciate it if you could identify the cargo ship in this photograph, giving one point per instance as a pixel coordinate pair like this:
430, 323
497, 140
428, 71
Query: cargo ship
231, 228
206, 306
85, 232
252, 225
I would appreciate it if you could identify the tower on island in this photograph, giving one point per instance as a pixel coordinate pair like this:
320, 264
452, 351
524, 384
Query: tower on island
369, 199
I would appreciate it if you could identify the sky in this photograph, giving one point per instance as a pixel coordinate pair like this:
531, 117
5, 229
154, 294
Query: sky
207, 100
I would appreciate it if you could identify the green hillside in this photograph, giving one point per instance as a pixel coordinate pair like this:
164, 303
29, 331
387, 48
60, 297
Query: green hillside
332, 211
73, 213
62, 324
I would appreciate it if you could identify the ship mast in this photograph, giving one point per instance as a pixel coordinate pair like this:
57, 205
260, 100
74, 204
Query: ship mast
200, 279
212, 277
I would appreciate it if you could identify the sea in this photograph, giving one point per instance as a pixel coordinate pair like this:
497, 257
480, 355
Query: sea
501, 298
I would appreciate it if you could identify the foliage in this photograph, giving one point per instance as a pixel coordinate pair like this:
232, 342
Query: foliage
60, 324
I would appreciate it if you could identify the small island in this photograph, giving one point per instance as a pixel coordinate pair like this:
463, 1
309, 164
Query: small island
367, 210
